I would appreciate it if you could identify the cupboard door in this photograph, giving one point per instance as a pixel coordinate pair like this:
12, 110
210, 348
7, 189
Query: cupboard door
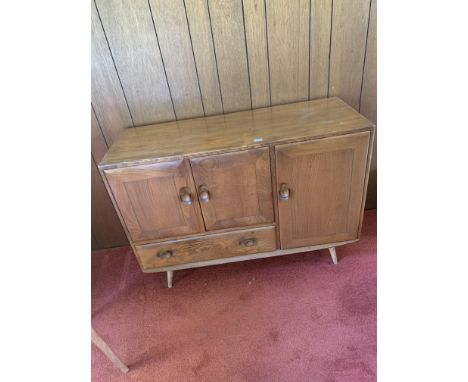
234, 189
320, 187
156, 200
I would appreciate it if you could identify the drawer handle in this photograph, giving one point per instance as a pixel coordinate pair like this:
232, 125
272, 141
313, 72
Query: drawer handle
248, 242
284, 192
204, 194
165, 254
185, 196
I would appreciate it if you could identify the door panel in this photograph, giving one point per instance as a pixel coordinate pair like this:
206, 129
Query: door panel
238, 186
325, 179
150, 200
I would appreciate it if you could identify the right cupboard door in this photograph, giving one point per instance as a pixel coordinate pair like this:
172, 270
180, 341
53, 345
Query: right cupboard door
320, 186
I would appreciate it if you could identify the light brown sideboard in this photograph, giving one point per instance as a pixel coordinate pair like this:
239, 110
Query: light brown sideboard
240, 186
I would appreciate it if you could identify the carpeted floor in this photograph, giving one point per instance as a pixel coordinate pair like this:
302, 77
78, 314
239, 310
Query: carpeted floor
289, 318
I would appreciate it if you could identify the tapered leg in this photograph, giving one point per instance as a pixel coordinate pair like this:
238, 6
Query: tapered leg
170, 274
99, 342
333, 255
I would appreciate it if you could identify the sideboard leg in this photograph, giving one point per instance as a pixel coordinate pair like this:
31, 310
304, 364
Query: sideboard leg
333, 255
101, 345
170, 274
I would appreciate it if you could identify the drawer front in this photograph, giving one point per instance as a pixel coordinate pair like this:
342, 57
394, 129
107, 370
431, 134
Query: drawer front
207, 248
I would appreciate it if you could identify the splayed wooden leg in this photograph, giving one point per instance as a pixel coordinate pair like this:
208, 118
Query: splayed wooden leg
170, 274
333, 255
99, 342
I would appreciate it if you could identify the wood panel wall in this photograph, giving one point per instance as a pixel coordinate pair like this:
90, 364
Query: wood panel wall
161, 60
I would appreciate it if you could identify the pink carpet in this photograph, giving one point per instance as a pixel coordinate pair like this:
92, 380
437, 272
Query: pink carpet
289, 318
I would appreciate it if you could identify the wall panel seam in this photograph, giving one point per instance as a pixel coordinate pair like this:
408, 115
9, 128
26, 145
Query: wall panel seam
310, 31
330, 48
162, 60
214, 51
246, 54
194, 61
93, 236
99, 124
268, 49
113, 61
365, 53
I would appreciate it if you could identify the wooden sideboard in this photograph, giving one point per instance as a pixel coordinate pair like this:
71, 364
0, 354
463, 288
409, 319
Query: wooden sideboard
234, 187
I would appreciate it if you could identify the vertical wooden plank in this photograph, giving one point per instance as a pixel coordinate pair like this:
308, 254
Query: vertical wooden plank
320, 29
230, 50
107, 96
288, 45
369, 81
348, 44
132, 39
105, 224
257, 52
202, 43
98, 143
369, 98
174, 39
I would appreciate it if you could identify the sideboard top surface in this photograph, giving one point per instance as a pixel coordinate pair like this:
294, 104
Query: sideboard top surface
235, 131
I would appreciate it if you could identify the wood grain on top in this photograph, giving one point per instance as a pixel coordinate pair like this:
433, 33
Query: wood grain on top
233, 132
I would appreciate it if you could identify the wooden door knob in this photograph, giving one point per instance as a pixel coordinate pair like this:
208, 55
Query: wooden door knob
248, 242
284, 192
165, 254
185, 196
204, 194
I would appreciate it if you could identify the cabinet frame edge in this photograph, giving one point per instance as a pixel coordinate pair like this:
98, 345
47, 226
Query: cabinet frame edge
366, 180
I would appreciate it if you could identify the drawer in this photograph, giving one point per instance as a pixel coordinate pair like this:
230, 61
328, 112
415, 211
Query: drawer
208, 247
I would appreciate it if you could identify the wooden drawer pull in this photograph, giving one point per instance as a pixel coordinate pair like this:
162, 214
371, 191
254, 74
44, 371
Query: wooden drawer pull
165, 254
204, 194
185, 196
248, 242
284, 192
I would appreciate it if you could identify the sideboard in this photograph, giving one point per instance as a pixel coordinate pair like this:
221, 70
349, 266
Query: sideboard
252, 184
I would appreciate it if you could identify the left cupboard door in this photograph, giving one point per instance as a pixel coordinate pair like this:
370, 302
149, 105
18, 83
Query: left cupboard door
157, 200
